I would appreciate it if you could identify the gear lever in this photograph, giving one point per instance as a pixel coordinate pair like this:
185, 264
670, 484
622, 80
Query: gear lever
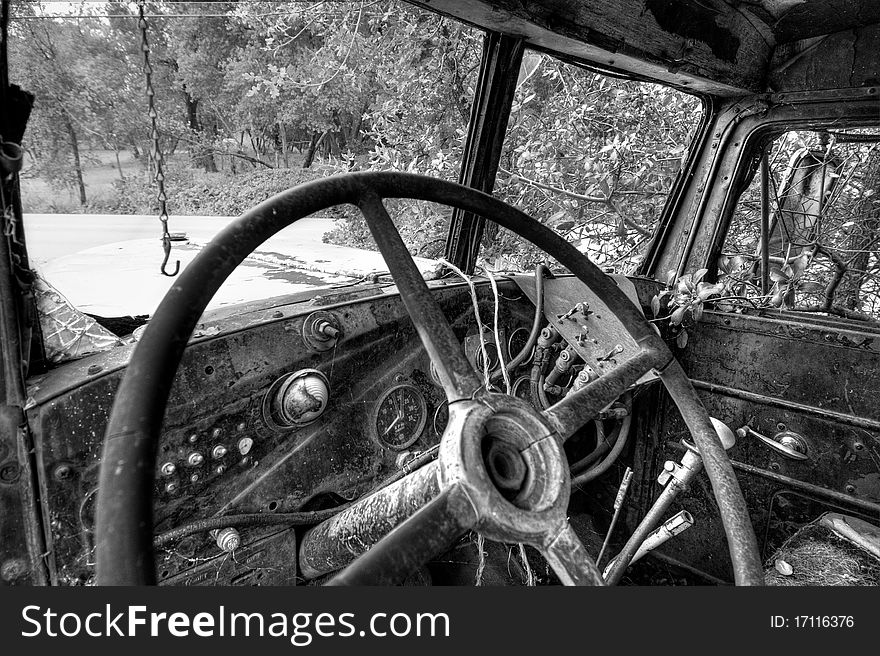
675, 477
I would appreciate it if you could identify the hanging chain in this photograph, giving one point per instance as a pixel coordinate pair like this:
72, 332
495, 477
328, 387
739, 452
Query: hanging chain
155, 150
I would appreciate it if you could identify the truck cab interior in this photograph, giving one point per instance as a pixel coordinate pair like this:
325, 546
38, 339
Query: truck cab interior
708, 418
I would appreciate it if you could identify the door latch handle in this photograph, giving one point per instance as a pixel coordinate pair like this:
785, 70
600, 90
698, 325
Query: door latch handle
788, 443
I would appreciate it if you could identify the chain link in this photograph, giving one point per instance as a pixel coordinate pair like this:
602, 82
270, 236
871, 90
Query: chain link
155, 149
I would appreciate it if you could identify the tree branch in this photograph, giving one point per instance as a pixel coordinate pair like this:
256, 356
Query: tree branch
604, 200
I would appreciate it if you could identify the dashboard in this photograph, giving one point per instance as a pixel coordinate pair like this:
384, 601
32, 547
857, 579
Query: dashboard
237, 437
308, 402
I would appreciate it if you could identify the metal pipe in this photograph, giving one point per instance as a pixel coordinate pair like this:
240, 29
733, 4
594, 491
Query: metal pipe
792, 406
540, 271
765, 223
605, 465
618, 504
675, 477
675, 525
814, 491
689, 467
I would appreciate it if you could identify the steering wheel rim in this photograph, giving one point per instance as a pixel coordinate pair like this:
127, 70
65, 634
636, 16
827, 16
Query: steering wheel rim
123, 530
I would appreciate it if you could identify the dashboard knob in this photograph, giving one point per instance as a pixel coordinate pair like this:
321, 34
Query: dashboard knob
228, 539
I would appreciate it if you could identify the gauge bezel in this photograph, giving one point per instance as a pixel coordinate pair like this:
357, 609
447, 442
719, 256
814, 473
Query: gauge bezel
423, 417
510, 351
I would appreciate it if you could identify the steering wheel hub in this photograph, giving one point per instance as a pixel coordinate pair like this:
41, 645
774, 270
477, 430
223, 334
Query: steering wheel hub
497, 440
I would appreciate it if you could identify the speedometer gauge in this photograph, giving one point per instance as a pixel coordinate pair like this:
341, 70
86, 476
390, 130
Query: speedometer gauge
400, 417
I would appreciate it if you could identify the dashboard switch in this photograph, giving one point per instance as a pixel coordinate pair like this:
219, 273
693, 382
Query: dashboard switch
228, 539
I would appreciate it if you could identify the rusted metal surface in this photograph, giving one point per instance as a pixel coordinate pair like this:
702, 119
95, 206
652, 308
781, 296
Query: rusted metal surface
430, 531
849, 58
815, 377
337, 541
707, 46
247, 352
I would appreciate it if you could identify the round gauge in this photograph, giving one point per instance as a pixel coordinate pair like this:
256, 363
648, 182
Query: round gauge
521, 389
491, 354
441, 418
400, 417
517, 342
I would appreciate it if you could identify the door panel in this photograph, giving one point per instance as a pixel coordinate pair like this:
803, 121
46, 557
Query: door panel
776, 374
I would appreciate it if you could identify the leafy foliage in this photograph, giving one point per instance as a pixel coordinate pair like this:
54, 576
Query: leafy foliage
825, 217
352, 86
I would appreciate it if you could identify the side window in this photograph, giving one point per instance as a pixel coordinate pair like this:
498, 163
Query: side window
591, 156
823, 227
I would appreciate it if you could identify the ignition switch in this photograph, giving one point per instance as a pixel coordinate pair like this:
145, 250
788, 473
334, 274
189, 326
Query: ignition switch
321, 331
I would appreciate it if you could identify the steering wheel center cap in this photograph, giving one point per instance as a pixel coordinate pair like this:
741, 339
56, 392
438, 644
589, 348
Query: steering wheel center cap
511, 463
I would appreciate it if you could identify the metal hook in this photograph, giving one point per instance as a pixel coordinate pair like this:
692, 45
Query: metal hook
166, 246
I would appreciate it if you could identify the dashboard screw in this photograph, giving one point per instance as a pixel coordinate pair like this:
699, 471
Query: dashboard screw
62, 472
94, 369
9, 473
850, 489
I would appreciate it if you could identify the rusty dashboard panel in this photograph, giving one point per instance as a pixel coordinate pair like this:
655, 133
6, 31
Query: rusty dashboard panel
586, 323
222, 448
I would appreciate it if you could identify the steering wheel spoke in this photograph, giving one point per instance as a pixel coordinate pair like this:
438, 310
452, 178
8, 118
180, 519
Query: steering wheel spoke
574, 411
455, 372
433, 529
568, 557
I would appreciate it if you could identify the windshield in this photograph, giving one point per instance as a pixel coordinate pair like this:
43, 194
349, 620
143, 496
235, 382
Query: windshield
252, 98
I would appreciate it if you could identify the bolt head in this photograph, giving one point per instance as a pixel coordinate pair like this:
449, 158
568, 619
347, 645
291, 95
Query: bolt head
62, 472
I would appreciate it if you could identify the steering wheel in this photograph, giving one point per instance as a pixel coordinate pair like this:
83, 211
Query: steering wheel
522, 497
